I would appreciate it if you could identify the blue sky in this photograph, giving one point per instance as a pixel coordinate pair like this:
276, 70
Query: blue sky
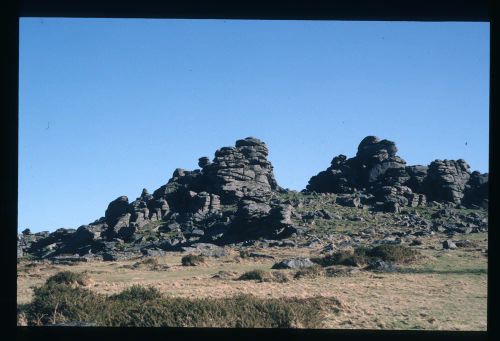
109, 106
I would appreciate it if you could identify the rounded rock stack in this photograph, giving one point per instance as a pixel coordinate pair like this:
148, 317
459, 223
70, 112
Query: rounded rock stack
241, 172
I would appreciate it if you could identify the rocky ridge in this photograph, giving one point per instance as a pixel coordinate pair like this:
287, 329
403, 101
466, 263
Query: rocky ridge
234, 199
376, 176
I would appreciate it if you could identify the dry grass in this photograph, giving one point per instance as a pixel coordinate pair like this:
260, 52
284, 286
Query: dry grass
445, 290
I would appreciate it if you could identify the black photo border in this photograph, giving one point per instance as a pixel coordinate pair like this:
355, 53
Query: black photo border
366, 10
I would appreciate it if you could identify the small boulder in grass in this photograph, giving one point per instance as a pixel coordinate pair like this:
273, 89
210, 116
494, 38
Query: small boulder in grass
449, 245
381, 266
294, 263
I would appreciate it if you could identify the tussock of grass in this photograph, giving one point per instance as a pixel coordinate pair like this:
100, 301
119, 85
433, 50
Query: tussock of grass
341, 258
192, 260
150, 261
137, 292
68, 277
363, 256
393, 253
264, 276
146, 307
310, 272
244, 254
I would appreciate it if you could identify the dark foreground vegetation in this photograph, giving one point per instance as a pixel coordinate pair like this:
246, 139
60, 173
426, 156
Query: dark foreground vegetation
62, 301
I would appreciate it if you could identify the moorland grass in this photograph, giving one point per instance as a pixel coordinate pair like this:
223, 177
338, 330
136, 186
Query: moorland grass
264, 276
146, 307
310, 272
192, 260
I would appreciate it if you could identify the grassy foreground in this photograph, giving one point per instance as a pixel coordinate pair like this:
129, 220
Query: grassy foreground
62, 299
440, 290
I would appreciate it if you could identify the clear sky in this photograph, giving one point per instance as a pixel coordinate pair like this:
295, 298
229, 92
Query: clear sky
109, 106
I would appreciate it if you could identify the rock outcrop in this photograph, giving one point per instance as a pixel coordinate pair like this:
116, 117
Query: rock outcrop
377, 170
446, 180
235, 198
229, 199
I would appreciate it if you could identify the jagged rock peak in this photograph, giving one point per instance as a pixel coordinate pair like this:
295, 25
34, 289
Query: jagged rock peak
372, 147
250, 141
204, 161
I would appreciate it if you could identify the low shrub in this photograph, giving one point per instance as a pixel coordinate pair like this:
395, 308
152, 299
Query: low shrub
393, 253
137, 292
61, 302
279, 277
362, 256
192, 260
242, 311
150, 261
68, 277
264, 276
342, 258
310, 272
258, 275
244, 254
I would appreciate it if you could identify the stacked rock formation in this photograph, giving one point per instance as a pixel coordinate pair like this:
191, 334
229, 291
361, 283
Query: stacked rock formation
235, 198
378, 171
228, 200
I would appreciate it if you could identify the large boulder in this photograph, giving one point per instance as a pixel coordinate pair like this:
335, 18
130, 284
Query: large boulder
375, 163
476, 191
374, 158
255, 220
294, 263
446, 180
338, 178
417, 175
116, 209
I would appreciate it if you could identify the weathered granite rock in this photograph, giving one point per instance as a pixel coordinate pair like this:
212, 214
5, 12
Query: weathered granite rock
476, 191
375, 163
449, 245
116, 209
381, 266
349, 200
234, 200
294, 263
446, 180
206, 249
377, 170
417, 176
119, 255
242, 171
